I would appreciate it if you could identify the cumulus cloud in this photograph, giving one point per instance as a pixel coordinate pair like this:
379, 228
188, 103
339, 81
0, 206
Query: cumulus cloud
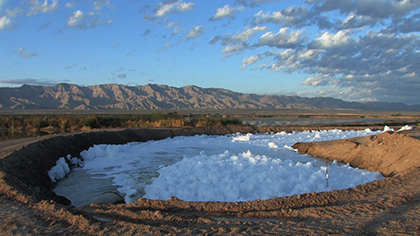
169, 7
69, 5
296, 16
5, 23
328, 40
172, 24
405, 24
285, 38
379, 9
233, 50
358, 13
98, 4
239, 37
42, 7
382, 62
252, 60
366, 50
226, 12
82, 20
195, 32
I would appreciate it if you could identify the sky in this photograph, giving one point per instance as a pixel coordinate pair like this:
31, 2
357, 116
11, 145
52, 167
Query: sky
355, 50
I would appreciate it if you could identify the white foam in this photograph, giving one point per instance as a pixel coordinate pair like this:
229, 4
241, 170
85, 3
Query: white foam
243, 177
406, 127
387, 129
234, 167
61, 168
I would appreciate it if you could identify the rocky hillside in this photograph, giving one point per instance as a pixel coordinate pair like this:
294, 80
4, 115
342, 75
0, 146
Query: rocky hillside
153, 96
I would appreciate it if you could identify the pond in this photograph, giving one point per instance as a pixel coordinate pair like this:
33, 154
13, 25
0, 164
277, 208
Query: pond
237, 167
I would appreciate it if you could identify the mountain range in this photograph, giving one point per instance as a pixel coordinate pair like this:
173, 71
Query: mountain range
154, 96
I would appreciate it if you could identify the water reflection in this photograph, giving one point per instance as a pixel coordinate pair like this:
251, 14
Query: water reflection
12, 134
283, 121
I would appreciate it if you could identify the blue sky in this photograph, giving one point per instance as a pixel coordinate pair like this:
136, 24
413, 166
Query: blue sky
355, 50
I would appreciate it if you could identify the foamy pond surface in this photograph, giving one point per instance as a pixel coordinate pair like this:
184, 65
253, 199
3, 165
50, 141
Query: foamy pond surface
236, 167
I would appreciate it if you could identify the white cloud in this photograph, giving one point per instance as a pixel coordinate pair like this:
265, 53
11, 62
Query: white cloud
375, 9
172, 24
69, 5
195, 32
386, 63
165, 8
239, 37
247, 34
285, 38
42, 7
406, 24
19, 50
357, 13
98, 4
232, 50
366, 46
5, 22
327, 40
226, 12
76, 18
252, 60
14, 12
318, 80
296, 16
354, 21
166, 46
82, 20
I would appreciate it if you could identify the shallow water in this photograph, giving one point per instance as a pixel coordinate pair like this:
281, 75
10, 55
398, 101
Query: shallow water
283, 121
237, 167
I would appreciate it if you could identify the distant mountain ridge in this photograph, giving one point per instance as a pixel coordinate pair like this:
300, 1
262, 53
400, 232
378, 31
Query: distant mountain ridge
154, 96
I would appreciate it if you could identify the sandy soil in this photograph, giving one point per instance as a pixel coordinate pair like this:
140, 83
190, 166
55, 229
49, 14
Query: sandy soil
387, 207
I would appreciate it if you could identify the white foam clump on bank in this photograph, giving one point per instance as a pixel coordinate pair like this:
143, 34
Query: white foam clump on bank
234, 167
388, 129
406, 127
61, 168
